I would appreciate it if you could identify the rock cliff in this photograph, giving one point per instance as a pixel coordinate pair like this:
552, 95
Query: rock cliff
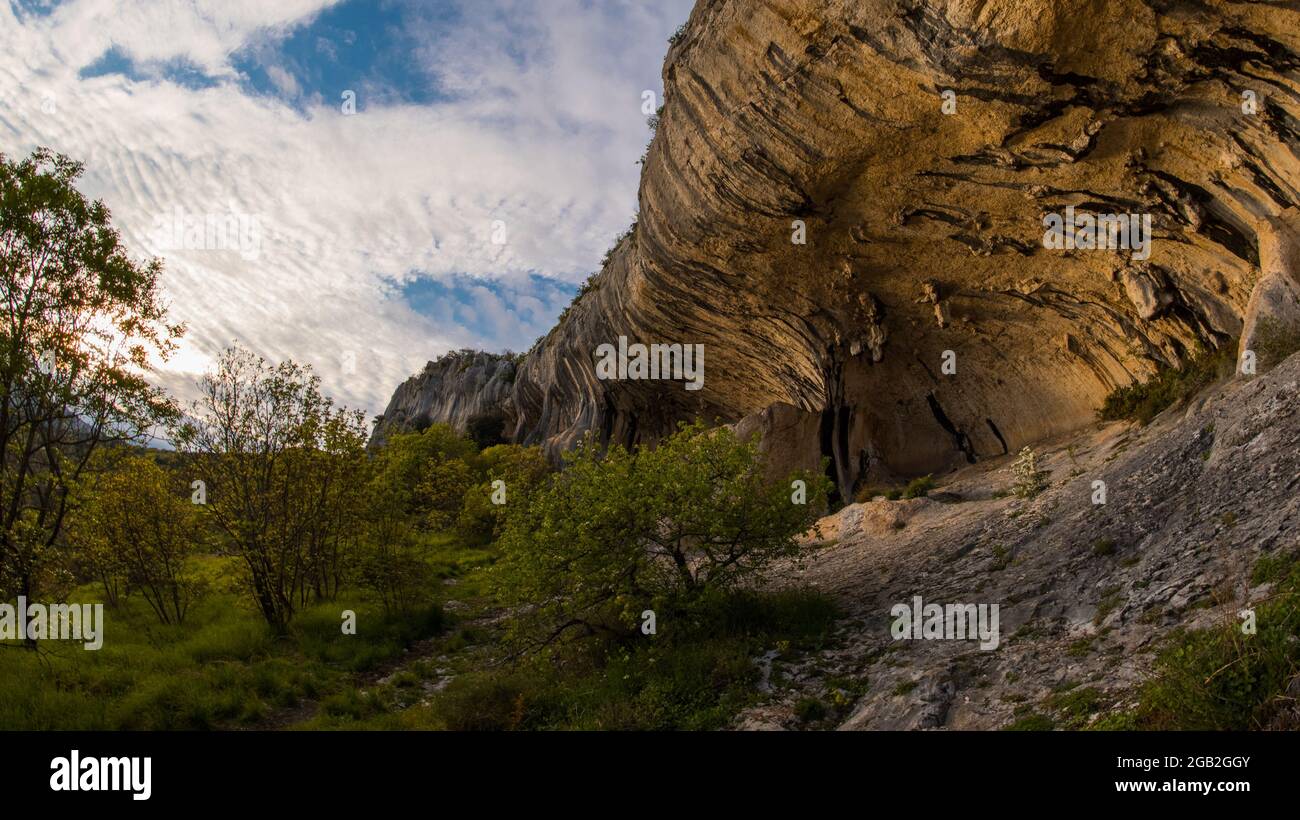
453, 390
846, 203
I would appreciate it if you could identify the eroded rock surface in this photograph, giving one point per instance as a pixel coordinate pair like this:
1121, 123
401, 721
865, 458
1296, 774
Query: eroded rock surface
1086, 592
919, 145
924, 229
452, 390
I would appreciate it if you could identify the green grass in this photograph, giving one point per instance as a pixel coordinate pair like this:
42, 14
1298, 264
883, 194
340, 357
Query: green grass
1076, 705
222, 668
225, 669
693, 675
1221, 679
1144, 401
1031, 722
1273, 567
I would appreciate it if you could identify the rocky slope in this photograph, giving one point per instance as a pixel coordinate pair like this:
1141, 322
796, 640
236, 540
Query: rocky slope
1086, 591
915, 148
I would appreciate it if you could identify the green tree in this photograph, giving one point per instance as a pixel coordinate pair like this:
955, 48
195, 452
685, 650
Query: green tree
83, 325
442, 491
520, 469
408, 480
274, 453
138, 532
416, 482
616, 532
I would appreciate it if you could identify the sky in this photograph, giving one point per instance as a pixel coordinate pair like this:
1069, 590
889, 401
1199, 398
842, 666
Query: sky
357, 185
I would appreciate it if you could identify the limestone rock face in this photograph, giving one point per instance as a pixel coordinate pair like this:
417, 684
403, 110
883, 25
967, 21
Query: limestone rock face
924, 219
845, 203
451, 390
1274, 308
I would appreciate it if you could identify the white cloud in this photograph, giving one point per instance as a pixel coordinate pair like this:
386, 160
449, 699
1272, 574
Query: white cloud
204, 32
542, 132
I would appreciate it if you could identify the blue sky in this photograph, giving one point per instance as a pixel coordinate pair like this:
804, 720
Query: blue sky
488, 163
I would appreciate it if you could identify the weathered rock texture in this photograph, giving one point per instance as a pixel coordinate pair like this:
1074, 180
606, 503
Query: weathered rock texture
452, 390
1087, 592
924, 229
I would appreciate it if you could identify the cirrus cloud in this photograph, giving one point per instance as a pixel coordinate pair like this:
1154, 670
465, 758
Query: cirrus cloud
470, 116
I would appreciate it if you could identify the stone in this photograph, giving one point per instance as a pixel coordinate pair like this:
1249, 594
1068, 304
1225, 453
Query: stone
1274, 307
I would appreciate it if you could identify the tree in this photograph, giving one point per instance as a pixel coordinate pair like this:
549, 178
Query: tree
275, 454
417, 482
138, 531
83, 324
617, 531
1029, 480
407, 471
520, 470
442, 491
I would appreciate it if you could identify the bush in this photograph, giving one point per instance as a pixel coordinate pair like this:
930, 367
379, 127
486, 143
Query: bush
809, 710
521, 469
1170, 386
1029, 480
618, 532
919, 487
694, 675
1220, 679
137, 532
483, 702
1274, 342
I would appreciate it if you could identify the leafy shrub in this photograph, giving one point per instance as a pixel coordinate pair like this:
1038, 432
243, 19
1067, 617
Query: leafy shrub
694, 675
869, 493
919, 487
136, 532
1029, 480
1274, 342
809, 710
1143, 401
618, 532
522, 469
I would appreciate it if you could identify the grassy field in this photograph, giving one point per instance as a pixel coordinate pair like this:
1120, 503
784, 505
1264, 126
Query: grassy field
223, 668
441, 667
